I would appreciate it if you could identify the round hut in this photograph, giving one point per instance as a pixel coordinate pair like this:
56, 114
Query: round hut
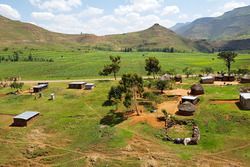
165, 77
197, 89
186, 109
178, 78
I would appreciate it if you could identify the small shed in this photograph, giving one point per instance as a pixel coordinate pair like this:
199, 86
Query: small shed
89, 86
192, 99
24, 118
39, 88
245, 101
186, 109
43, 83
207, 80
245, 79
77, 85
197, 89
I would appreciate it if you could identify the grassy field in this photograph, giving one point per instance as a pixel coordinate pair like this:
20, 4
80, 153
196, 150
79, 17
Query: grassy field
75, 64
68, 132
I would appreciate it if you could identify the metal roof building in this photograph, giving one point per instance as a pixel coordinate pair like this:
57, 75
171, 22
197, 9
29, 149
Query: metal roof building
191, 99
22, 119
245, 101
77, 85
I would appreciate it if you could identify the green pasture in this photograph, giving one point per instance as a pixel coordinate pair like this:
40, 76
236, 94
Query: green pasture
71, 124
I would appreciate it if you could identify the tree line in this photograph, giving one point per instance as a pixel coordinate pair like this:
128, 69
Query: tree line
16, 57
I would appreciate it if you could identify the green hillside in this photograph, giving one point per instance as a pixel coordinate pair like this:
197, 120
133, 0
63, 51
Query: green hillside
18, 33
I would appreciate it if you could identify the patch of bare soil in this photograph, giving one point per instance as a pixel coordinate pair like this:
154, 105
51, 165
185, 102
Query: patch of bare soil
177, 92
149, 118
6, 119
221, 83
224, 101
3, 95
170, 106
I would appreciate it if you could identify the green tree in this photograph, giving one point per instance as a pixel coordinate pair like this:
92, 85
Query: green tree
229, 58
16, 85
115, 95
188, 71
132, 84
162, 85
152, 66
207, 70
114, 67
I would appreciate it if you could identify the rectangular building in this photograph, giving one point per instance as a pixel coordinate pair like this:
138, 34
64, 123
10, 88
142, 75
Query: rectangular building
245, 101
77, 85
192, 99
89, 86
39, 88
24, 118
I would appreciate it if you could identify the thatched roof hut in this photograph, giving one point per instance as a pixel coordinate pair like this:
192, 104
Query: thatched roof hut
245, 79
197, 89
165, 77
186, 108
245, 101
178, 78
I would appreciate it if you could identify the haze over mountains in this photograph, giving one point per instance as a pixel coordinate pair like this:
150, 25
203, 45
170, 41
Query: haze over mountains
227, 32
232, 25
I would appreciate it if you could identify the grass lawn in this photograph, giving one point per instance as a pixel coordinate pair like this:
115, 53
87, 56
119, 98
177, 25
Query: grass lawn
68, 131
75, 64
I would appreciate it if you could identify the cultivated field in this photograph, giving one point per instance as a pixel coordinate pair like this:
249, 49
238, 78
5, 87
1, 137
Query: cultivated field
77, 130
78, 64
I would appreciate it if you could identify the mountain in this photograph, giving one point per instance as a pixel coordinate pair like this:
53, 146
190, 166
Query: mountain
179, 26
231, 25
157, 36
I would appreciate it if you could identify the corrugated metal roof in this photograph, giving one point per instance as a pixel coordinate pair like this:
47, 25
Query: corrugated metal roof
27, 115
245, 95
208, 77
189, 97
40, 86
90, 84
78, 83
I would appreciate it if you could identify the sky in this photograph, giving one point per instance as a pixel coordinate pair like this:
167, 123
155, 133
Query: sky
103, 17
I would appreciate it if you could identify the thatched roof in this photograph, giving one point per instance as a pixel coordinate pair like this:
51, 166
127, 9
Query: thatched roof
187, 107
197, 89
165, 77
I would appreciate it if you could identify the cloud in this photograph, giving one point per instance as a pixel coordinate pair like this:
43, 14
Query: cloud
9, 12
42, 15
169, 10
228, 7
138, 6
232, 5
56, 5
91, 12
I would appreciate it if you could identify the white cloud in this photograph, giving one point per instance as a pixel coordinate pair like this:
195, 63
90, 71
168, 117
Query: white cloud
91, 12
228, 7
42, 15
232, 5
138, 6
9, 12
56, 5
169, 10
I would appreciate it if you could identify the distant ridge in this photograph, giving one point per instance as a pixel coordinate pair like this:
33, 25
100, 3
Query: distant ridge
232, 25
